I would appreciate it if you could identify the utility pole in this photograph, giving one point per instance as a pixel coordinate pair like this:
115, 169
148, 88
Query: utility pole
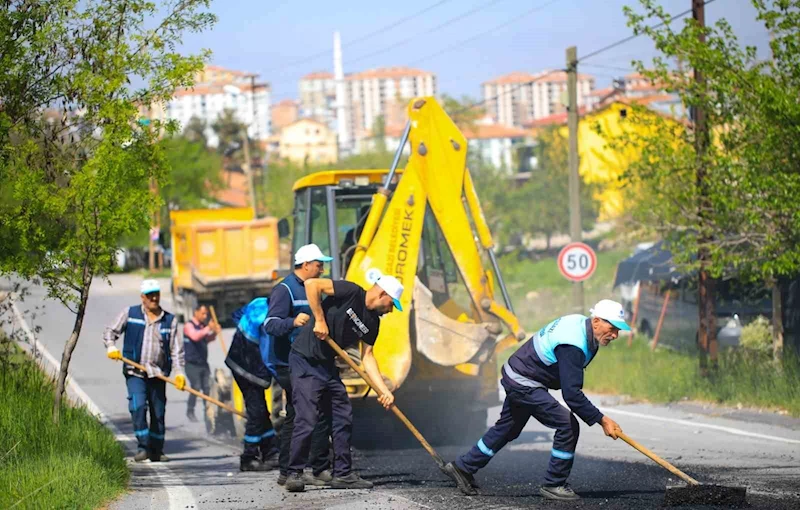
707, 330
250, 172
574, 178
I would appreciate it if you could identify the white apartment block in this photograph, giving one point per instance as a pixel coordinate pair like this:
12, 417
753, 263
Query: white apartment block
318, 97
518, 98
218, 89
376, 92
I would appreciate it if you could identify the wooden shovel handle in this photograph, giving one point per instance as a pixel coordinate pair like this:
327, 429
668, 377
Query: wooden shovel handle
410, 426
219, 337
658, 460
186, 388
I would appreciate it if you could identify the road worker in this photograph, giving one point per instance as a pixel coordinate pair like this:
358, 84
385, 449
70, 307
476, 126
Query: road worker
251, 375
150, 339
352, 315
197, 333
288, 312
555, 357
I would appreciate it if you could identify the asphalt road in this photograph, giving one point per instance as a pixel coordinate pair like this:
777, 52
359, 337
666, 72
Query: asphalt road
715, 445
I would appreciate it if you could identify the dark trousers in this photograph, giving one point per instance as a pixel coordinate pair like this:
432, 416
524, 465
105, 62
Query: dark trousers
198, 379
317, 388
518, 407
320, 446
259, 436
144, 394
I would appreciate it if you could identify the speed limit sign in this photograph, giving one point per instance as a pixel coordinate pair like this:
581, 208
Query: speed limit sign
577, 261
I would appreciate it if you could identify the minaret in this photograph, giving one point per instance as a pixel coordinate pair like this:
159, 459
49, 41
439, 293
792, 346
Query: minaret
342, 126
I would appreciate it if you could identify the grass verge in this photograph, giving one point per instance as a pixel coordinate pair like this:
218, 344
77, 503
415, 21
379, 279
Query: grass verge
743, 377
540, 293
75, 464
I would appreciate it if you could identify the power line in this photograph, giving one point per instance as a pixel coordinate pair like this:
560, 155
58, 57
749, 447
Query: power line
634, 36
612, 68
486, 32
437, 27
359, 39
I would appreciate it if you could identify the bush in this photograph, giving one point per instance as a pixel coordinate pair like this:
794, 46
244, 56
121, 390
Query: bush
757, 336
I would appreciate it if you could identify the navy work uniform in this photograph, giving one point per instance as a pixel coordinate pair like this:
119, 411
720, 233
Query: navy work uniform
287, 301
252, 377
553, 358
157, 346
315, 379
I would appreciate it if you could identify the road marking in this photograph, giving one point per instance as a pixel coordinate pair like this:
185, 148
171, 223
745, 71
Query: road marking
178, 495
729, 430
687, 423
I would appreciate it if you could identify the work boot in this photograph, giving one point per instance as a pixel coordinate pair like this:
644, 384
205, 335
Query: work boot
295, 483
282, 479
560, 493
351, 481
191, 416
159, 457
141, 456
254, 465
464, 481
322, 479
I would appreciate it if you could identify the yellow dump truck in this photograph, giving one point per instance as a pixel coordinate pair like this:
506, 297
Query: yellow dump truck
425, 226
223, 257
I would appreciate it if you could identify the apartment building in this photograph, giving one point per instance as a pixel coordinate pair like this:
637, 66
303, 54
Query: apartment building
217, 89
284, 113
379, 92
318, 97
518, 98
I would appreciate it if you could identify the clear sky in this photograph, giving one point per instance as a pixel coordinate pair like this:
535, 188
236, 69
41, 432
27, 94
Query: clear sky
279, 39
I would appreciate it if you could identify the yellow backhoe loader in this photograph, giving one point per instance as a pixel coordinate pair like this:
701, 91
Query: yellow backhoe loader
424, 225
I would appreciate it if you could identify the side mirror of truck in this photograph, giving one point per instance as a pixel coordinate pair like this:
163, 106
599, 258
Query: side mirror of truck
283, 228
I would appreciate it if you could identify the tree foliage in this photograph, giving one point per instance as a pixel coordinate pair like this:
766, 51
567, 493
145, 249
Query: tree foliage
750, 223
538, 205
194, 173
75, 164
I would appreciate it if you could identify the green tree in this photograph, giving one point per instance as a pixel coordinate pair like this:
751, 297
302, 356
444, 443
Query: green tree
195, 130
231, 133
194, 174
76, 165
729, 196
379, 133
539, 205
464, 113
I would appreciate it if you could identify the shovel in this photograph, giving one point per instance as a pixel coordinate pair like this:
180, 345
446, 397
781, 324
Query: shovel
695, 493
190, 390
402, 417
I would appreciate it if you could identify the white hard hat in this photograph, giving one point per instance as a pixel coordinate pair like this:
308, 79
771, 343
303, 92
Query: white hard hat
309, 253
150, 286
393, 287
612, 312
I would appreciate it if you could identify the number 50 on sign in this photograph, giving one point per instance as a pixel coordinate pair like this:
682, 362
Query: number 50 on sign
577, 261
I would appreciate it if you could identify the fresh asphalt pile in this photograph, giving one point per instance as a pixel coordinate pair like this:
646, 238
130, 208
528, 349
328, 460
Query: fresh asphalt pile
513, 479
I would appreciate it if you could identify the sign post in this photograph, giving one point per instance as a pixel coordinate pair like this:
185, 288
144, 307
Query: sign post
577, 261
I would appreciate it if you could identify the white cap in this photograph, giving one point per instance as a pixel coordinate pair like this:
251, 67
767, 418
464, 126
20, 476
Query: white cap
309, 253
612, 312
149, 286
393, 287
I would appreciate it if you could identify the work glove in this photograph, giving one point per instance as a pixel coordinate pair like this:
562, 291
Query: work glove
113, 353
180, 381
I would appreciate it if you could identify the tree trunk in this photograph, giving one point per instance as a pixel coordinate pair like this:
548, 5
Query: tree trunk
66, 356
777, 322
707, 330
